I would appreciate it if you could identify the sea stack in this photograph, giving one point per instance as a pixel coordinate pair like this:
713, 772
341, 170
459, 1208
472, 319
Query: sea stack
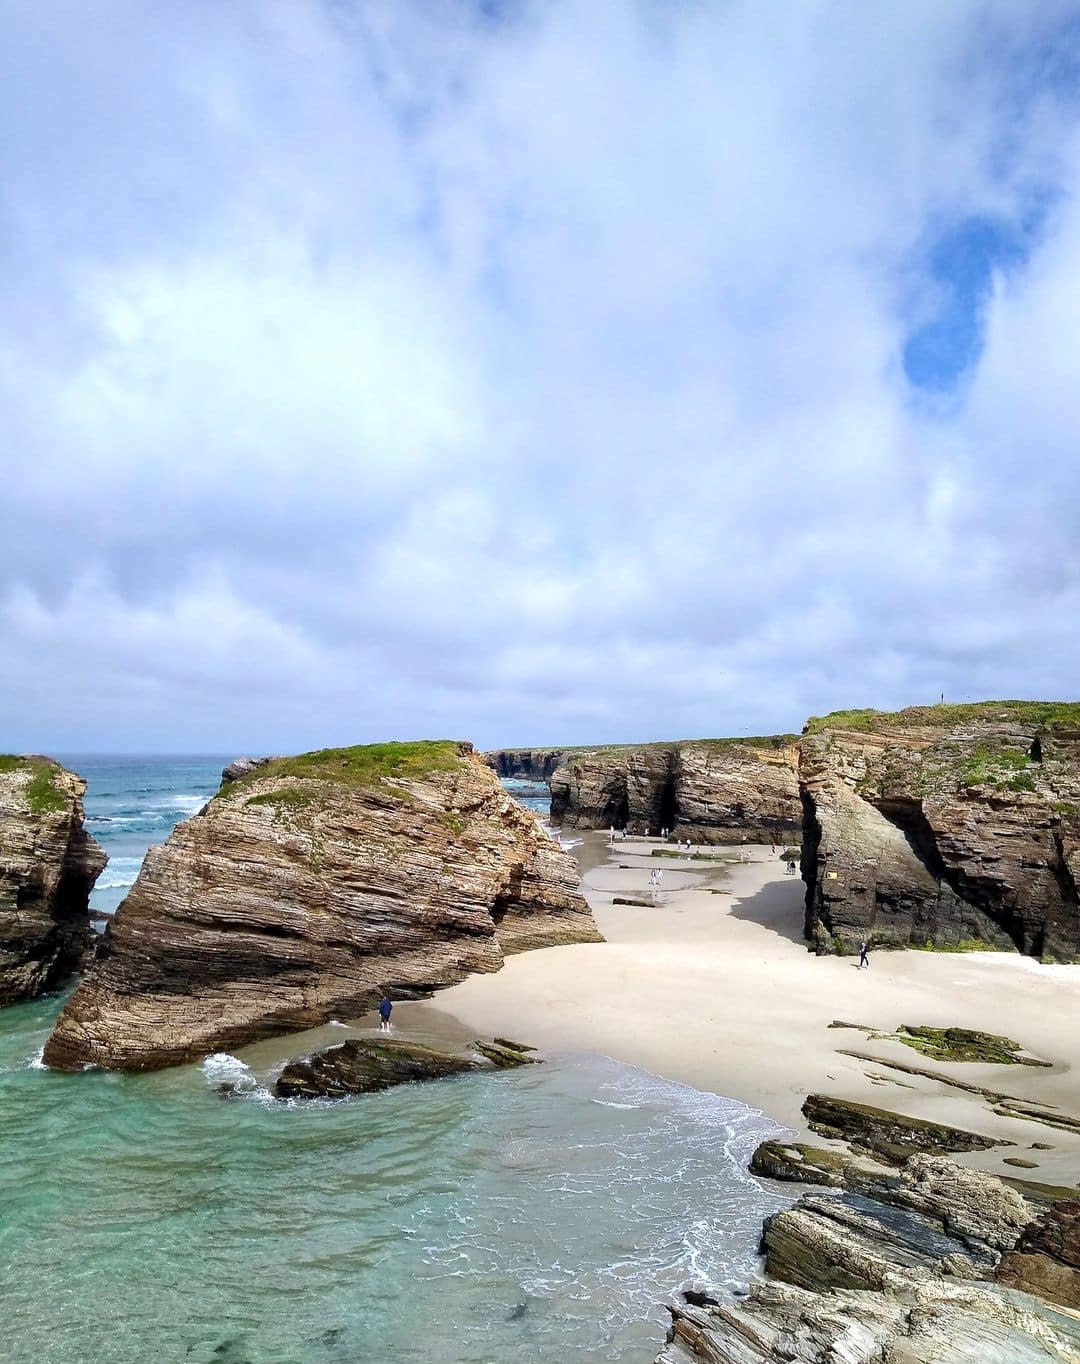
307, 886
48, 866
949, 827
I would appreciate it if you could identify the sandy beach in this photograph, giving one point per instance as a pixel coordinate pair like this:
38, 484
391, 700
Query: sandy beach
713, 987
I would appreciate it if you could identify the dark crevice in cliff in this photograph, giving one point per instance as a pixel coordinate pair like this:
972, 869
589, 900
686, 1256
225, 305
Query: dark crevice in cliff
984, 896
667, 807
808, 860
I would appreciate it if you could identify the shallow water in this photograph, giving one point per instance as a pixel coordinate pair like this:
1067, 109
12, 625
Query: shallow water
534, 1216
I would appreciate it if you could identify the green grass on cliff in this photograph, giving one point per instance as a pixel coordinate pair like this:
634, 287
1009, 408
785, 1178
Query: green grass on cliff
363, 765
1043, 714
42, 795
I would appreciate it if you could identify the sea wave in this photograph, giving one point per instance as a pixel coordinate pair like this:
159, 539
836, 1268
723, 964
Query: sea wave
120, 873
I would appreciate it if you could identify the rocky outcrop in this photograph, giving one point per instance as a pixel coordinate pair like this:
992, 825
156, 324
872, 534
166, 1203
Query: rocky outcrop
951, 827
900, 1268
307, 887
1046, 1258
711, 790
890, 1137
243, 767
367, 1065
48, 866
530, 764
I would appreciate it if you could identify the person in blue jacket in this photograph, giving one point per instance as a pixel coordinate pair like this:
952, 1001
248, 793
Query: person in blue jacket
385, 1009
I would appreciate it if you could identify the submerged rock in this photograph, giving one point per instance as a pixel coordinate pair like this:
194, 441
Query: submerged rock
48, 866
947, 827
307, 887
369, 1064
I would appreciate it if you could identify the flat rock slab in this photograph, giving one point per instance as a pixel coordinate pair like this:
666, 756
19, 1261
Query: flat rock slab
890, 1137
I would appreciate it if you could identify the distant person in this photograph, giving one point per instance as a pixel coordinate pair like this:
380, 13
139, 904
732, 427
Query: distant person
864, 955
611, 836
385, 1010
791, 867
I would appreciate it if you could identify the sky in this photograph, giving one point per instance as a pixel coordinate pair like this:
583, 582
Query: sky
532, 372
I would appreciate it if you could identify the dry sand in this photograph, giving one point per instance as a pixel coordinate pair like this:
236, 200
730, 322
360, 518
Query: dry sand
714, 987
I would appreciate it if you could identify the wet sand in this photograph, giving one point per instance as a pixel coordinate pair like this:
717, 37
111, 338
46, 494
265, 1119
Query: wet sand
713, 987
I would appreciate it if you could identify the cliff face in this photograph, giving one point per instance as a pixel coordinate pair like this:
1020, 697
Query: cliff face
950, 827
715, 791
533, 764
48, 866
307, 886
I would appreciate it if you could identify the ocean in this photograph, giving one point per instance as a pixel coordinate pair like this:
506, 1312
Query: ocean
527, 1217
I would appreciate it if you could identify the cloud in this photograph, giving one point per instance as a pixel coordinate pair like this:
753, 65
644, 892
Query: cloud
532, 372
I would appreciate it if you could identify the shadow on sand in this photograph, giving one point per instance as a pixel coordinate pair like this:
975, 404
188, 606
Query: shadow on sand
778, 906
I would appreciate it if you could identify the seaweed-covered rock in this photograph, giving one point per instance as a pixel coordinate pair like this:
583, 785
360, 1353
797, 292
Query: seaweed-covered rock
48, 866
965, 1044
308, 886
950, 827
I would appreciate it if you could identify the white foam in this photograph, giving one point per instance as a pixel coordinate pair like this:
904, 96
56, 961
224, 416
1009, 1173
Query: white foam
36, 1062
222, 1067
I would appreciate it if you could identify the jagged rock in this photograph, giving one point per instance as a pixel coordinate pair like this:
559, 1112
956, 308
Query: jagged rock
798, 1163
889, 1137
940, 1321
714, 791
365, 1065
952, 827
532, 764
899, 1273
304, 889
243, 767
48, 866
1046, 1258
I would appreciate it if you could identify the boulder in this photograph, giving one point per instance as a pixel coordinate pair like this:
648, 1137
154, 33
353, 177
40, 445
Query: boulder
243, 767
304, 889
1046, 1257
48, 866
948, 827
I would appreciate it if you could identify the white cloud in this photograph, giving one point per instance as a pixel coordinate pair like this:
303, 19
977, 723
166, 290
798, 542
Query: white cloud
525, 379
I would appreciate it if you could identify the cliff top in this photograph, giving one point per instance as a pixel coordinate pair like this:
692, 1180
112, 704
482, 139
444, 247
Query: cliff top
40, 791
1040, 714
362, 765
748, 740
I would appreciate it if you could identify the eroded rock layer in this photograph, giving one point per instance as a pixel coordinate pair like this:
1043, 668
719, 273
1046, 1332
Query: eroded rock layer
48, 866
953, 827
307, 886
916, 1266
711, 790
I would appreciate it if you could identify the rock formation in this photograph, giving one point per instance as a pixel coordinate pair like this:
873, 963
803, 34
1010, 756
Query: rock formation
951, 827
711, 790
48, 866
908, 1267
243, 767
305, 888
366, 1065
532, 764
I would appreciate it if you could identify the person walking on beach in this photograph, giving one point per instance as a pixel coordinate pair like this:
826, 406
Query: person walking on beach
385, 1010
864, 955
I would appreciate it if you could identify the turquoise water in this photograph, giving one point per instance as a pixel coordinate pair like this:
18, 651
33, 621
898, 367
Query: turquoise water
533, 1216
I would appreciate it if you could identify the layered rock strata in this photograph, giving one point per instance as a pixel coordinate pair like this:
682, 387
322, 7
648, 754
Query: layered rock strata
714, 791
305, 888
367, 1065
905, 1267
952, 827
48, 866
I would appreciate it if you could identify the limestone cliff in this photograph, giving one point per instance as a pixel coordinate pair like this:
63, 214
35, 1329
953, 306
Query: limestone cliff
532, 764
307, 886
711, 790
945, 826
48, 866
